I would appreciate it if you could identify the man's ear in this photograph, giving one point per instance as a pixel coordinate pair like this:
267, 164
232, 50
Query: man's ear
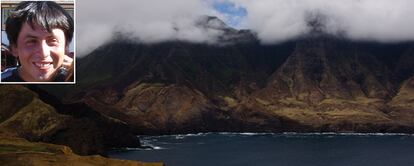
13, 50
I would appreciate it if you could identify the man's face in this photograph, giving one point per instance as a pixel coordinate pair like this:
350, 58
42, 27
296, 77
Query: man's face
40, 53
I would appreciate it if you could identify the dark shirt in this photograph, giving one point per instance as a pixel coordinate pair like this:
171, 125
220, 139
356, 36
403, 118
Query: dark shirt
11, 75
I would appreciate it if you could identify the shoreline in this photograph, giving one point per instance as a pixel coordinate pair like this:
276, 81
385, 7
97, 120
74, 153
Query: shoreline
148, 146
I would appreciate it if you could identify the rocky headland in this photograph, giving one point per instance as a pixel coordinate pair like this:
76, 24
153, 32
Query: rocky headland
33, 132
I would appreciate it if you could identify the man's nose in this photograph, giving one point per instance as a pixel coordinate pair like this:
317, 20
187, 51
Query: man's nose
44, 50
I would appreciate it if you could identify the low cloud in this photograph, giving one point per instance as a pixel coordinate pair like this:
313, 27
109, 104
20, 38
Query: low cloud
145, 20
273, 20
379, 20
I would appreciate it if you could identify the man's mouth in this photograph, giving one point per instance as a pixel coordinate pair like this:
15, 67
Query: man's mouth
43, 65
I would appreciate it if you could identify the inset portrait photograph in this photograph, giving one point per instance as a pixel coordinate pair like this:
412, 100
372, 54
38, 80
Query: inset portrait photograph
37, 42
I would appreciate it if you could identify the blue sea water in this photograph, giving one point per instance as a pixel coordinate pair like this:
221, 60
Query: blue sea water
267, 149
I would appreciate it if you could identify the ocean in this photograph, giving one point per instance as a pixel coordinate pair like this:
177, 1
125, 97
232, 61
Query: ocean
268, 149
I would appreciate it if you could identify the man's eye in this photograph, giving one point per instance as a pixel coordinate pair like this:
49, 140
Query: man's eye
53, 41
30, 42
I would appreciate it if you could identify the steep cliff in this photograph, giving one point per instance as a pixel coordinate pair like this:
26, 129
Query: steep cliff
24, 114
317, 82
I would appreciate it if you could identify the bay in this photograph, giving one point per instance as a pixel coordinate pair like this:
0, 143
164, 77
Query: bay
268, 149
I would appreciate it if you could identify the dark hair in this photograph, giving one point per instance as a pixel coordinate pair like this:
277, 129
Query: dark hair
46, 14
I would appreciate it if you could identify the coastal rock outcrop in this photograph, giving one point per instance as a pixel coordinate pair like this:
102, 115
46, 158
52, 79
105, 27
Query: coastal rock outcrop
24, 114
18, 151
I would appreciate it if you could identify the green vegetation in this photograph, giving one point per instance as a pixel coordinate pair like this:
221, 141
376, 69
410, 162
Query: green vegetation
289, 82
263, 102
231, 102
303, 116
14, 148
292, 102
34, 120
356, 116
12, 99
9, 144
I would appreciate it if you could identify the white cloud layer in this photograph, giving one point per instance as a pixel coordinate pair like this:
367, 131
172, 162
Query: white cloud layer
146, 20
273, 20
379, 20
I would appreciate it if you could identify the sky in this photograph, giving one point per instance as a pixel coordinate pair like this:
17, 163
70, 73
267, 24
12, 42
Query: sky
231, 13
274, 21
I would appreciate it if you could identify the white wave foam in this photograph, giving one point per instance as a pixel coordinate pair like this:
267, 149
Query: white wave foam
178, 136
345, 134
182, 136
140, 148
243, 133
149, 143
231, 134
158, 147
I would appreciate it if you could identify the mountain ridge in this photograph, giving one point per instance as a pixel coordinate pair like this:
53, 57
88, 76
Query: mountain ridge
317, 82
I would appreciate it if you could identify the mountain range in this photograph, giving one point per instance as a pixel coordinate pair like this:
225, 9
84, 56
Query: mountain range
314, 83
317, 82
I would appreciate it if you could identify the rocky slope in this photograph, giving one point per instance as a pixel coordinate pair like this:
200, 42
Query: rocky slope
402, 105
314, 83
333, 85
18, 151
324, 84
25, 114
